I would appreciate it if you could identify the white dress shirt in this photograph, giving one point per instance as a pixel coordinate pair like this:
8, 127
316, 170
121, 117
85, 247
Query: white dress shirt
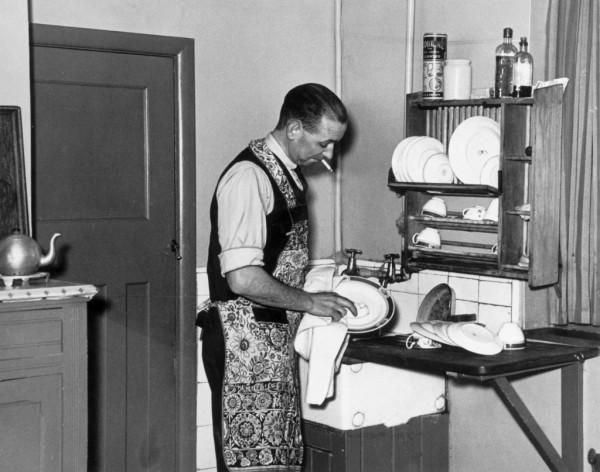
245, 198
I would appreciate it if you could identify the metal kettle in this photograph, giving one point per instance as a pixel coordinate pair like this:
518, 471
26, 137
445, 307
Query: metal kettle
22, 255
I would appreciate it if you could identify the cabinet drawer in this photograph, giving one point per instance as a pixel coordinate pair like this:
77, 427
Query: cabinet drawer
31, 334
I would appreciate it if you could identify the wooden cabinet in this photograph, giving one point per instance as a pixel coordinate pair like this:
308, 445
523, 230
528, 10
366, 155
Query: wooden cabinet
420, 445
43, 382
524, 243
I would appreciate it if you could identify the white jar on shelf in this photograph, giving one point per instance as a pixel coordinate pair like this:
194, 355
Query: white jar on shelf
457, 79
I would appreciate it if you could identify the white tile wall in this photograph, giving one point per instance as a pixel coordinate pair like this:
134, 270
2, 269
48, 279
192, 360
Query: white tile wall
205, 449
494, 301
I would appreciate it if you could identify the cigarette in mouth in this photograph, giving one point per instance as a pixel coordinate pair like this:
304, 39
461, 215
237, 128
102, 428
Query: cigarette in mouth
326, 165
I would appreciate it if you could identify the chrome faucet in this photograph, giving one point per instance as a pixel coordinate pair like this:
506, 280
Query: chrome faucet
351, 267
389, 274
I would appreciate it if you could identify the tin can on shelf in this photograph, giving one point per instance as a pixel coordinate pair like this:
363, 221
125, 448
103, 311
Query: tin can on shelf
434, 55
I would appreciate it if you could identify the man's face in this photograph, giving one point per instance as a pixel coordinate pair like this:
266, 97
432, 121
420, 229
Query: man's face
310, 147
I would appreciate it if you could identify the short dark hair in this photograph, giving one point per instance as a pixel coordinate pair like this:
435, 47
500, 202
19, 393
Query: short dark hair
309, 103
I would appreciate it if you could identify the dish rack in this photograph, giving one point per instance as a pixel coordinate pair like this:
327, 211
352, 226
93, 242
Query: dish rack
523, 244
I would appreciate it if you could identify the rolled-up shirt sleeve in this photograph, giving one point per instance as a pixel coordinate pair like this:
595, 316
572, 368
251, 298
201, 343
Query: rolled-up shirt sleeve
245, 198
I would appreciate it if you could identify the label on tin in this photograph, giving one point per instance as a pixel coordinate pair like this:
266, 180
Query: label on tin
433, 79
434, 46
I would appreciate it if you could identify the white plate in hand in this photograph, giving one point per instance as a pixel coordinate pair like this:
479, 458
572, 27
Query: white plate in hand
373, 306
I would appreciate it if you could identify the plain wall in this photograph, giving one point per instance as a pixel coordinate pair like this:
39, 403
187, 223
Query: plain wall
14, 68
247, 55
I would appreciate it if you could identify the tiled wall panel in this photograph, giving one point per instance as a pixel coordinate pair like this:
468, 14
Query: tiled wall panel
205, 450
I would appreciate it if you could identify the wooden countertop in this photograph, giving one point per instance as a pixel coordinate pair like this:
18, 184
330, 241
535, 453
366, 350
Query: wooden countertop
539, 354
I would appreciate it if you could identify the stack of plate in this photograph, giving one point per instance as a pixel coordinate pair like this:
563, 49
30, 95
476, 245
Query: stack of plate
470, 336
474, 151
421, 159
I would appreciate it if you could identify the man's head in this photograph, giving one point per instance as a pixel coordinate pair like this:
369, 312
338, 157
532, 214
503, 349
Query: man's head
312, 120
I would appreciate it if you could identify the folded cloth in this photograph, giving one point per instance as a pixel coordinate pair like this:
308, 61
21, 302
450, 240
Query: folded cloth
321, 341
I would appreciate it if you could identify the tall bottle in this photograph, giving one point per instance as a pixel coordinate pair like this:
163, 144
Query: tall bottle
523, 71
505, 58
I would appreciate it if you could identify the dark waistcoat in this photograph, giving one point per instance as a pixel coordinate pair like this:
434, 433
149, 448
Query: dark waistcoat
279, 224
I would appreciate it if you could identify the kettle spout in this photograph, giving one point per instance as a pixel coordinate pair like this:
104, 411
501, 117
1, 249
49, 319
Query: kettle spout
49, 257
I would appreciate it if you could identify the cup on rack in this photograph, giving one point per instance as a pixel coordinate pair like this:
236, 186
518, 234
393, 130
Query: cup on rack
476, 213
435, 206
492, 211
429, 237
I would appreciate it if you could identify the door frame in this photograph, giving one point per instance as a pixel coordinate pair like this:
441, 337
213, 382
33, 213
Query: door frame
181, 51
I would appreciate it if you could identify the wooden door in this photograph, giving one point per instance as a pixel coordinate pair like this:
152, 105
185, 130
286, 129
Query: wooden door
110, 170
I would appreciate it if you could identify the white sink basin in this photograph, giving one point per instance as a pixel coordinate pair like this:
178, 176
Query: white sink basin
369, 394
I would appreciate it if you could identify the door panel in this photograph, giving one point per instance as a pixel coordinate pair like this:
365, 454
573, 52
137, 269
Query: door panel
105, 175
31, 424
93, 186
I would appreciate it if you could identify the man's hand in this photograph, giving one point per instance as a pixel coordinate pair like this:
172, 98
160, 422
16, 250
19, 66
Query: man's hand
331, 304
255, 284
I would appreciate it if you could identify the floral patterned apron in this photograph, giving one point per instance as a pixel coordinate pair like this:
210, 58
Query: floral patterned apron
261, 394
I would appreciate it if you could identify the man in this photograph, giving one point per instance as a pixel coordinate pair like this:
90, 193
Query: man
257, 257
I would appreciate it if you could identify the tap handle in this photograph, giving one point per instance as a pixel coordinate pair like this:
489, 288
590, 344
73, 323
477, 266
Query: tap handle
390, 275
351, 268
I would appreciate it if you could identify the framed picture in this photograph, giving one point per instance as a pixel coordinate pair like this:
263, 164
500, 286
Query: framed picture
13, 194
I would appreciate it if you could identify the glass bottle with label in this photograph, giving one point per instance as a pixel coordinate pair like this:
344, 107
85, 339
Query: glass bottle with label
523, 71
505, 59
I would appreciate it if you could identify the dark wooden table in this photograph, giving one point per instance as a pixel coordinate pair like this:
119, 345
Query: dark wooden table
539, 355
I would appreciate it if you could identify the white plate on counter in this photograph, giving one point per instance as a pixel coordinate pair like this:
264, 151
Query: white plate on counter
422, 331
474, 338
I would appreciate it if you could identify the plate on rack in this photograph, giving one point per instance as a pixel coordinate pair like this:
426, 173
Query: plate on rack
489, 172
437, 169
418, 165
408, 156
472, 143
417, 155
398, 157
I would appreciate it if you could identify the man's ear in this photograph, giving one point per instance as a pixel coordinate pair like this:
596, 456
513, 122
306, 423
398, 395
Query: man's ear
294, 129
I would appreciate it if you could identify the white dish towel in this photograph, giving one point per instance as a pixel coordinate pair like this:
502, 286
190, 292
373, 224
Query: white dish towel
321, 341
